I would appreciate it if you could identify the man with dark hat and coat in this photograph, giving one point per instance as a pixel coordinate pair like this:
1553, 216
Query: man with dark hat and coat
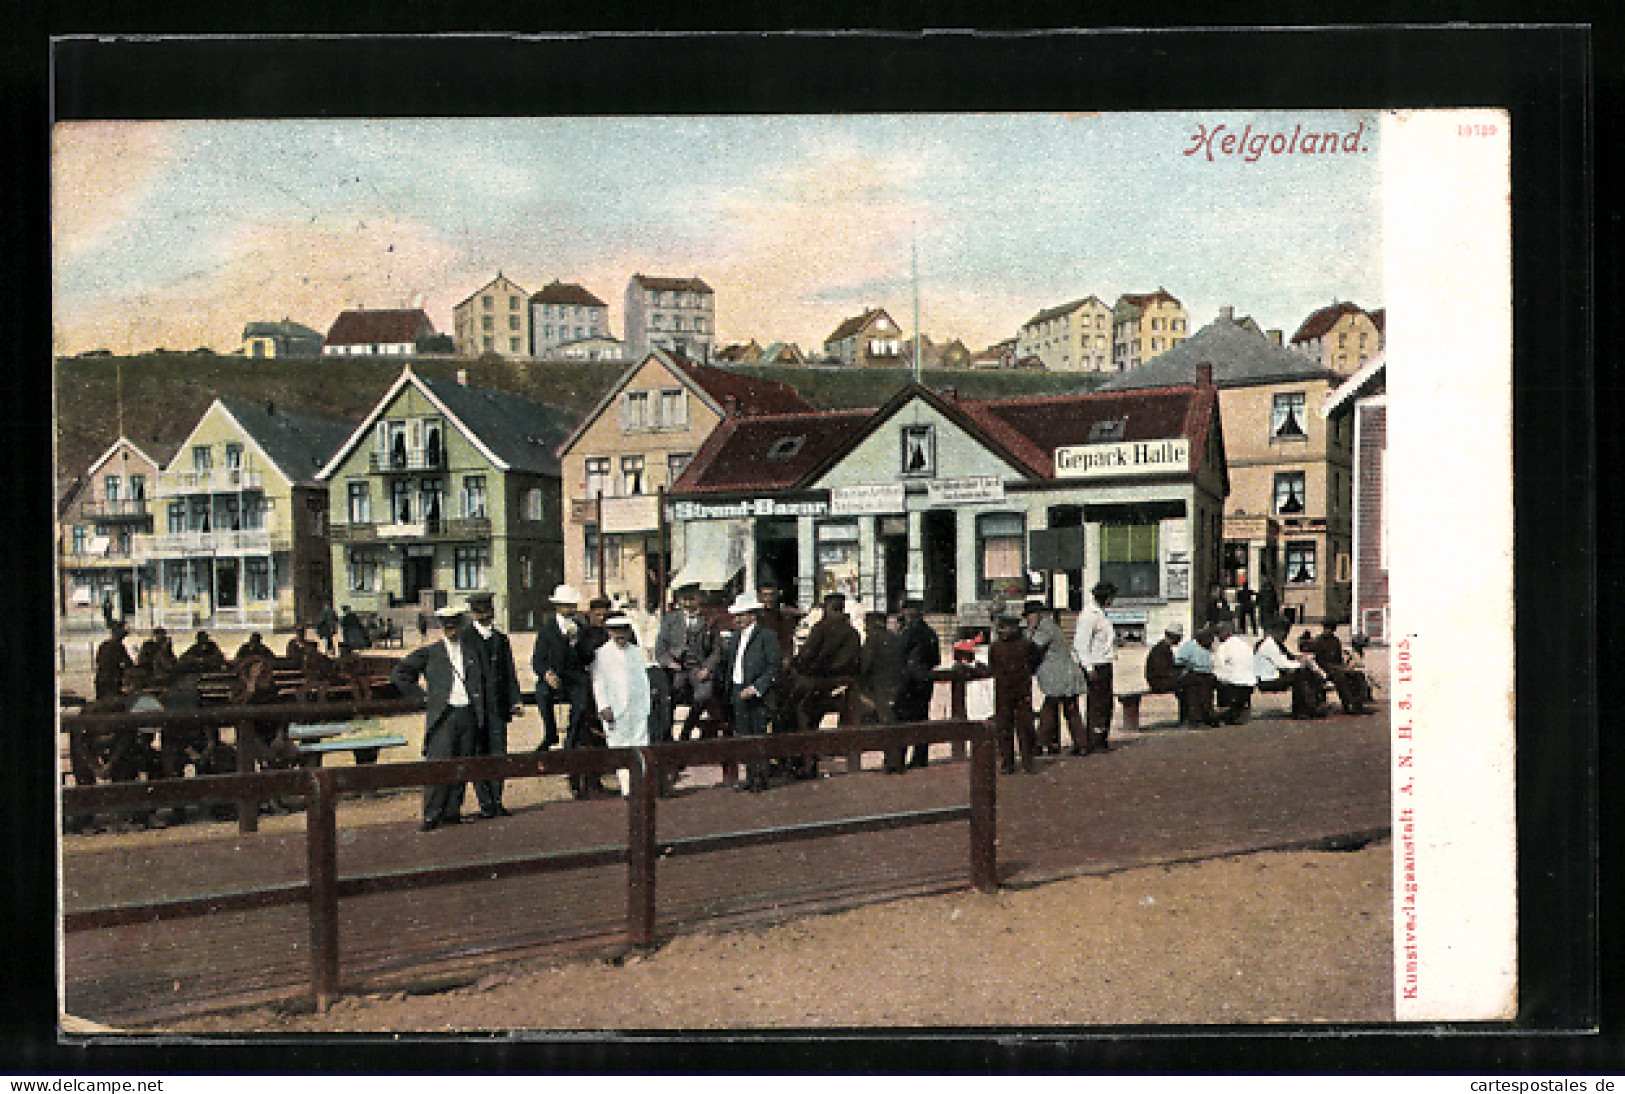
922, 653
501, 696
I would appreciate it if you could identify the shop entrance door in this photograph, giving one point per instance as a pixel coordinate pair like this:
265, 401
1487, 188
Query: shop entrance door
778, 560
1069, 516
939, 531
894, 557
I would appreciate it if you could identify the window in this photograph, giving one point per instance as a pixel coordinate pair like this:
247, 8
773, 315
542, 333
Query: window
533, 503
1001, 540
785, 447
360, 503
488, 322
631, 475
1109, 430
175, 582
654, 321
400, 502
513, 322
597, 476
234, 456
138, 487
612, 554
513, 303
1345, 568
671, 411
78, 539
469, 565
527, 570
474, 496
487, 342
197, 515
1128, 558
177, 516
634, 411
362, 570
429, 510
485, 301
676, 464
202, 458
110, 487
256, 579
919, 450
1286, 417
513, 345
1300, 563
1289, 492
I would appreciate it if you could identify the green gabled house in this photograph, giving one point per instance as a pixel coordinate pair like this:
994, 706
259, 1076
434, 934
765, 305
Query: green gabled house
443, 491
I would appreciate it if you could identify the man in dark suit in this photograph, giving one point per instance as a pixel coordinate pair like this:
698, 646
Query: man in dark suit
922, 653
562, 676
880, 671
501, 698
686, 647
456, 715
750, 664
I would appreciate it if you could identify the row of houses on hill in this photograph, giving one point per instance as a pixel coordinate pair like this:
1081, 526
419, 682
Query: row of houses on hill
1227, 460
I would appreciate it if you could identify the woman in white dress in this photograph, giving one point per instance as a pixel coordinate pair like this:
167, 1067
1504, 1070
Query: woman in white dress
620, 689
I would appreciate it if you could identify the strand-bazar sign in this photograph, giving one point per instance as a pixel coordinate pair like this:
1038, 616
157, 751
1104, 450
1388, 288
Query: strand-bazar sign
1085, 461
752, 507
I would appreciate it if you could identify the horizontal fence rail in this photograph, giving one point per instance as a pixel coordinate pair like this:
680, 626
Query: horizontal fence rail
320, 787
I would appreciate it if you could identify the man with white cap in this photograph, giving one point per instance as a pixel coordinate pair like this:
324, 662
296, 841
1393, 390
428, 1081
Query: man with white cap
561, 674
620, 688
751, 659
455, 715
1162, 673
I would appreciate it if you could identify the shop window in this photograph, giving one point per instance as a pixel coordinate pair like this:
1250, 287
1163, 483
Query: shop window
919, 450
1300, 563
1001, 546
1286, 417
469, 566
360, 503
597, 476
1289, 493
1128, 559
838, 559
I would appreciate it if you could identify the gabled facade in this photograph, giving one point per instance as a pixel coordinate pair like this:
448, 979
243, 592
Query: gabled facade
870, 340
1145, 325
1341, 337
239, 533
670, 313
286, 339
385, 332
562, 314
97, 526
1075, 337
494, 319
1287, 520
636, 442
1364, 397
957, 502
444, 491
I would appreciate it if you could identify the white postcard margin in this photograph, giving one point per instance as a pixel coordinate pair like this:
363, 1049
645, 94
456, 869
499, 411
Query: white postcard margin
1447, 251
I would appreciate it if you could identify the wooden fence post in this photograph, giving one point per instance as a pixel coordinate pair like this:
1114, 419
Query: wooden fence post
640, 850
984, 781
321, 852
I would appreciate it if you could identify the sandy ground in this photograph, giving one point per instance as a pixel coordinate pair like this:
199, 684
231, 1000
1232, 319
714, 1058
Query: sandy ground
1266, 938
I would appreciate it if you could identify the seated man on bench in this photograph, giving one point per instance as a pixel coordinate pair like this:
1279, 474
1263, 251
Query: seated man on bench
1279, 671
1163, 675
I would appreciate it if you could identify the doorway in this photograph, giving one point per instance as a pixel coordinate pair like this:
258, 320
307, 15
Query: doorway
417, 574
225, 583
939, 534
778, 558
894, 560
1069, 516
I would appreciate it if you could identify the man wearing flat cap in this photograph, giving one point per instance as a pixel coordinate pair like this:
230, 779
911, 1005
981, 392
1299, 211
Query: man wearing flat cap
455, 715
1162, 673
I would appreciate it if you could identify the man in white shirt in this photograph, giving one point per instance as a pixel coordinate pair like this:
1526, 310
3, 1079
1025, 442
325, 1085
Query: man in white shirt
1095, 646
753, 660
1233, 669
620, 687
1278, 670
455, 709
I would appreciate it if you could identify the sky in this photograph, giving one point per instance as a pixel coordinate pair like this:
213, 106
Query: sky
176, 234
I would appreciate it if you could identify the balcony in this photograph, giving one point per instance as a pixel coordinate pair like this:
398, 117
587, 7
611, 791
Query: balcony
121, 509
222, 480
94, 555
443, 531
415, 460
253, 541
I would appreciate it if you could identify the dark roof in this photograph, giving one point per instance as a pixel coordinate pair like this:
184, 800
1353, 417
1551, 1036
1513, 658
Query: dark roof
359, 327
1141, 301
557, 292
755, 396
1239, 358
736, 456
521, 433
299, 444
285, 328
851, 326
1324, 319
1380, 318
1056, 312
671, 284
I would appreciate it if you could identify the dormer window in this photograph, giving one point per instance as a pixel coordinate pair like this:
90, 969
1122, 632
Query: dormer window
1112, 430
785, 448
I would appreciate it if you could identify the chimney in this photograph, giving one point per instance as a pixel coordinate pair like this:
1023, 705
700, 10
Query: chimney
951, 394
1228, 314
270, 408
1274, 335
730, 406
1204, 374
462, 377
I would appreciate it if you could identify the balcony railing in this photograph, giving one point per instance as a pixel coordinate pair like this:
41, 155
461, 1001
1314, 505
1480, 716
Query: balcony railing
240, 542
416, 460
121, 509
441, 531
215, 480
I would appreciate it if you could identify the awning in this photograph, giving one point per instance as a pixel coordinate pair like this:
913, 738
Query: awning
713, 552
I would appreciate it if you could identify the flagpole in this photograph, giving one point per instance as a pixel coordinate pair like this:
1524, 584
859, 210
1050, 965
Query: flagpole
914, 252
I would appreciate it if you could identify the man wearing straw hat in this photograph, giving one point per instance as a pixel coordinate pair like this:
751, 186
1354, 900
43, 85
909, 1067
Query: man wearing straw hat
455, 710
751, 661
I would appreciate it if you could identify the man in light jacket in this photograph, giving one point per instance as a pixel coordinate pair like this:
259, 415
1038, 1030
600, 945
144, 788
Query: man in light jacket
1095, 646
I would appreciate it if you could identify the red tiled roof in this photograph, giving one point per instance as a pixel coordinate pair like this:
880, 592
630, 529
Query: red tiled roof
363, 327
671, 284
735, 456
561, 293
1323, 320
851, 326
755, 396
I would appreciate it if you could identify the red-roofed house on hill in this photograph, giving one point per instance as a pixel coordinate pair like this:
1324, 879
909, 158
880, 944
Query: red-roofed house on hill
870, 340
635, 442
1144, 325
671, 313
958, 502
1342, 337
391, 332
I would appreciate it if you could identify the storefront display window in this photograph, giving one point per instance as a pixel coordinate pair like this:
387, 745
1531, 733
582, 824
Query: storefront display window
838, 559
1001, 546
1128, 559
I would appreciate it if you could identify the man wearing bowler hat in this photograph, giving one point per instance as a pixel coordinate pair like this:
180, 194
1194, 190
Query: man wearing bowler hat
501, 698
455, 711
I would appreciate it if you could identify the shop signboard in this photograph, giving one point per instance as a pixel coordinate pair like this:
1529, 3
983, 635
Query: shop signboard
735, 509
965, 491
1085, 461
879, 498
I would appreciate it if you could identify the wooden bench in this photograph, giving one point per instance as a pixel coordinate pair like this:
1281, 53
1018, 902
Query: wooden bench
1131, 709
316, 741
